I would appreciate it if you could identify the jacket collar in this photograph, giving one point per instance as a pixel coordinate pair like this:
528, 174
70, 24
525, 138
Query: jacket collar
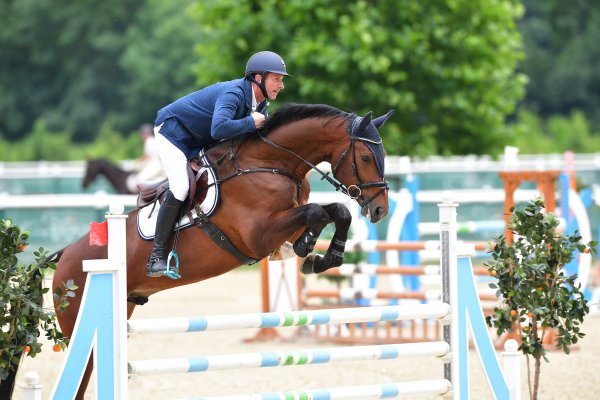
248, 93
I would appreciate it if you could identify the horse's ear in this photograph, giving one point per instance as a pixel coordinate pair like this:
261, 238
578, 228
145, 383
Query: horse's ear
381, 120
365, 121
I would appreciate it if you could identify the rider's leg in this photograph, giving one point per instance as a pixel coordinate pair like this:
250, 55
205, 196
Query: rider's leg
167, 216
175, 166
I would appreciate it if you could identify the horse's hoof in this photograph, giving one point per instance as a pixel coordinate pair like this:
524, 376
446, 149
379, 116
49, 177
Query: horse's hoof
308, 265
336, 262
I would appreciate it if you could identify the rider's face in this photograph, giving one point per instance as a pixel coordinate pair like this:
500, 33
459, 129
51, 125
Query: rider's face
273, 84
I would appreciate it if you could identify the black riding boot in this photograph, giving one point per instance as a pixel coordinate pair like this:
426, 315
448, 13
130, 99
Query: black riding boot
167, 216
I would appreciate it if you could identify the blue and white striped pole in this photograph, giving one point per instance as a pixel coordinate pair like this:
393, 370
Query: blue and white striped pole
364, 392
292, 318
287, 358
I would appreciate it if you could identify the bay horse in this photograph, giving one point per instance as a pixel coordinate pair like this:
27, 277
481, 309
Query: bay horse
102, 167
264, 190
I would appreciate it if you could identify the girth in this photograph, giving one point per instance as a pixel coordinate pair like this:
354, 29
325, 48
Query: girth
205, 224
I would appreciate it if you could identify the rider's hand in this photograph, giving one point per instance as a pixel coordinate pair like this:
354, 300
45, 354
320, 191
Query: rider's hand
259, 119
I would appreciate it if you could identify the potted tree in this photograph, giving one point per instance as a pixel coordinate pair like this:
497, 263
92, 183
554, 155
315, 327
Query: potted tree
537, 298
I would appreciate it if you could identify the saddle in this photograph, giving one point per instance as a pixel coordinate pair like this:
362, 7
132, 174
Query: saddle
150, 192
198, 171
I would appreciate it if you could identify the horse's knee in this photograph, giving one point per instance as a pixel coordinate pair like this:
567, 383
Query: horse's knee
316, 217
342, 216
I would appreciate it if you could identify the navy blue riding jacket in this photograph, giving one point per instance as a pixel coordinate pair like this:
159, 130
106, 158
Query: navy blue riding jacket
217, 112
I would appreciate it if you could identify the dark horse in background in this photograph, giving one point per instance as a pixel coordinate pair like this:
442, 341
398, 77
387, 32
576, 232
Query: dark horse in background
264, 193
115, 175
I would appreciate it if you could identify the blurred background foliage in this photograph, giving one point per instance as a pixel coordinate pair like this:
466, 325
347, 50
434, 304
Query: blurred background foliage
464, 76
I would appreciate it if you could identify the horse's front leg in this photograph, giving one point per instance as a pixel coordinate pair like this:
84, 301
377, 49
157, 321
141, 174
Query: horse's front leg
334, 257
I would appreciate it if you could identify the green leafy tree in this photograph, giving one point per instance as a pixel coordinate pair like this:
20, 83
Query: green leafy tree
60, 62
23, 315
75, 64
112, 145
446, 67
537, 297
534, 134
563, 53
159, 60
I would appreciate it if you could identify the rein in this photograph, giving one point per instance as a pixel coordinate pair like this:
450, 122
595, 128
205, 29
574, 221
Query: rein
241, 171
338, 185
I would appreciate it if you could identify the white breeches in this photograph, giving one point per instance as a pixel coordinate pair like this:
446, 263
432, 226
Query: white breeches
174, 163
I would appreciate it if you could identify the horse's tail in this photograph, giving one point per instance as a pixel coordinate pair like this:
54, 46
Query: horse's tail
7, 385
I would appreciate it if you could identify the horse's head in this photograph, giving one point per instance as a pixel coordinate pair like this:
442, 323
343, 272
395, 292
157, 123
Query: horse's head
360, 167
91, 172
355, 150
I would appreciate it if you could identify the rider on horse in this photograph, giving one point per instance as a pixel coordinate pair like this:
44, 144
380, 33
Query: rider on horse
223, 110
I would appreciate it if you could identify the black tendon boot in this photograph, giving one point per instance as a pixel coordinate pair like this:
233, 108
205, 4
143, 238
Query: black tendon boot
167, 216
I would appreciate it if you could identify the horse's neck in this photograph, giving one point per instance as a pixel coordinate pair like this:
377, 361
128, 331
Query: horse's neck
114, 174
311, 140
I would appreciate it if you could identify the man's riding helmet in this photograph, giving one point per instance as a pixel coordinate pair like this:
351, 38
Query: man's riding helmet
263, 62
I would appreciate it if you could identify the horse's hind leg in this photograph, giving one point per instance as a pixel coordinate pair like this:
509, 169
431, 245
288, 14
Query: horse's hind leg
334, 257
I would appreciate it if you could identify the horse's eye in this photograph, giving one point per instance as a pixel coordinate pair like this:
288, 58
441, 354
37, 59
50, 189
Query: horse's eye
365, 158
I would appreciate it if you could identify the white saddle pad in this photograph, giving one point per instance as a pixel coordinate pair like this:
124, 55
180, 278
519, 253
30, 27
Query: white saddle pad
146, 217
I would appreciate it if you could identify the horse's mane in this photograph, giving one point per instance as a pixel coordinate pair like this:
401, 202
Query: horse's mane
287, 113
291, 112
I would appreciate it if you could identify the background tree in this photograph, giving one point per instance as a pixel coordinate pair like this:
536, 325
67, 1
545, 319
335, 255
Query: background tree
537, 298
534, 134
559, 111
74, 64
447, 67
561, 42
159, 60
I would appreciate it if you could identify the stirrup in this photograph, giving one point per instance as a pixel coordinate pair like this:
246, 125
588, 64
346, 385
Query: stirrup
172, 273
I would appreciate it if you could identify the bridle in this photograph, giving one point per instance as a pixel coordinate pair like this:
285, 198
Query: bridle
353, 191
